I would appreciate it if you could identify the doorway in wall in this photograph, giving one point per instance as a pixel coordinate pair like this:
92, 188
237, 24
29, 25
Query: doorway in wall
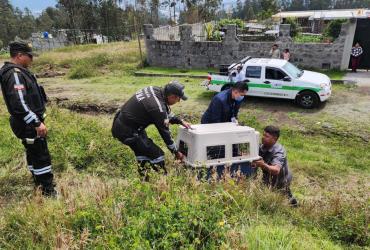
362, 36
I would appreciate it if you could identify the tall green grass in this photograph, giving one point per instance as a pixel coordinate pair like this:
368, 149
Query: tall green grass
104, 204
4, 56
84, 61
98, 64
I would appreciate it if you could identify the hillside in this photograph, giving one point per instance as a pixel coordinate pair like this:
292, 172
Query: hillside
103, 204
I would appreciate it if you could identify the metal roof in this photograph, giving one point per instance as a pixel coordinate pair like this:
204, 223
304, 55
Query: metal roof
325, 14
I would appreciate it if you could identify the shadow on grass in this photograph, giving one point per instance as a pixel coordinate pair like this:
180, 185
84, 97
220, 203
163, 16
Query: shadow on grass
275, 104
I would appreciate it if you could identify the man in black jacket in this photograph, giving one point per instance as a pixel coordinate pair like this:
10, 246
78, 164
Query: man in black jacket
25, 101
149, 106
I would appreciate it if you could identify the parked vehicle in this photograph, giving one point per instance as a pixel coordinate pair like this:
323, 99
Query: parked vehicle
275, 78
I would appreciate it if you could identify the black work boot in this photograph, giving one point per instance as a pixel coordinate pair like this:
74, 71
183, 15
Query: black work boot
144, 170
293, 202
49, 191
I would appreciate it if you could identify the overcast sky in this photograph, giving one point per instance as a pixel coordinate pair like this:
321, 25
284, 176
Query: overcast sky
37, 6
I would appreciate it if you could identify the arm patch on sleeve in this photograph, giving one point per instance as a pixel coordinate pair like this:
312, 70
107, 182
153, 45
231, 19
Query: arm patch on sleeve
19, 87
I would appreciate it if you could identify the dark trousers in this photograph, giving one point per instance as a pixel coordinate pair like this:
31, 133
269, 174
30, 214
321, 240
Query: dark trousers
235, 170
148, 154
355, 62
37, 154
284, 189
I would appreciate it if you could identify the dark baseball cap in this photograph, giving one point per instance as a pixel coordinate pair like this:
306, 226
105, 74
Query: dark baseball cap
21, 47
175, 88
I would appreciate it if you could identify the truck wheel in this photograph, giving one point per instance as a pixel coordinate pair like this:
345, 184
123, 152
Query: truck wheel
308, 99
225, 87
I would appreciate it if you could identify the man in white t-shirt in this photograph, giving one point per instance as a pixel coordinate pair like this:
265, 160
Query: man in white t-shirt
237, 75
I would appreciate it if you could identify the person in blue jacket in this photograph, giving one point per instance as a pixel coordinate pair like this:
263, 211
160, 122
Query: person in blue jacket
224, 106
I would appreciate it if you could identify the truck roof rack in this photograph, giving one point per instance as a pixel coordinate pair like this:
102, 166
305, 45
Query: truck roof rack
240, 62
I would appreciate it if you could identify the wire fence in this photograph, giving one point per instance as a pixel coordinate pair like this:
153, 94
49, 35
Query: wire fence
167, 33
60, 38
172, 33
213, 32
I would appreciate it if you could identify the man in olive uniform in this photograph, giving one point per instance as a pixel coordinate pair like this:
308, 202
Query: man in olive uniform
25, 101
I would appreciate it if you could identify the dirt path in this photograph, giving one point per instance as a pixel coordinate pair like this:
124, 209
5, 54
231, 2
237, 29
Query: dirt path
362, 78
348, 106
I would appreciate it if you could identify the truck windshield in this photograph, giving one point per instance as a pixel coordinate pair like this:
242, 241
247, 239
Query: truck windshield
293, 70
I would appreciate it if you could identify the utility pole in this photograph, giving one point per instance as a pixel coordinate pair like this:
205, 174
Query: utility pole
138, 36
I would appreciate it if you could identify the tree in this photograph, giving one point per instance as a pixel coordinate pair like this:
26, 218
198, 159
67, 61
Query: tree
44, 22
294, 26
8, 22
154, 15
25, 23
250, 8
200, 10
285, 4
238, 12
297, 5
14, 22
319, 4
268, 8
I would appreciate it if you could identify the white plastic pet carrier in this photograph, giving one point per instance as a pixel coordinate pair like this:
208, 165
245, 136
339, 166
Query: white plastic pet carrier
218, 143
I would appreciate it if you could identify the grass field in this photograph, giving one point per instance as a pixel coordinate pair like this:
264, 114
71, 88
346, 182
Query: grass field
187, 72
4, 56
104, 205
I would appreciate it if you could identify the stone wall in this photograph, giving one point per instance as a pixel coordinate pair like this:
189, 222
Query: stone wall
172, 33
41, 44
188, 53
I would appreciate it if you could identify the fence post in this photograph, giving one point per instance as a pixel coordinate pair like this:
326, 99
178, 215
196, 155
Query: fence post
186, 38
284, 34
149, 39
230, 45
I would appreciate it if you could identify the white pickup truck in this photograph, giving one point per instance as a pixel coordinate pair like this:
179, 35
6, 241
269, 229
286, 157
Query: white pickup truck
275, 78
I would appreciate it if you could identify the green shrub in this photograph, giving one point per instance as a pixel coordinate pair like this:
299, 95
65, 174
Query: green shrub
87, 219
209, 31
333, 28
295, 28
81, 70
4, 55
212, 33
348, 227
300, 38
224, 22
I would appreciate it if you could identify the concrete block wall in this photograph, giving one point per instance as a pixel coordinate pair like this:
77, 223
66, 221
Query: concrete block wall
188, 53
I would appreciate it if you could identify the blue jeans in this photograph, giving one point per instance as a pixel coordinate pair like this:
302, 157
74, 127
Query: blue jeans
245, 170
